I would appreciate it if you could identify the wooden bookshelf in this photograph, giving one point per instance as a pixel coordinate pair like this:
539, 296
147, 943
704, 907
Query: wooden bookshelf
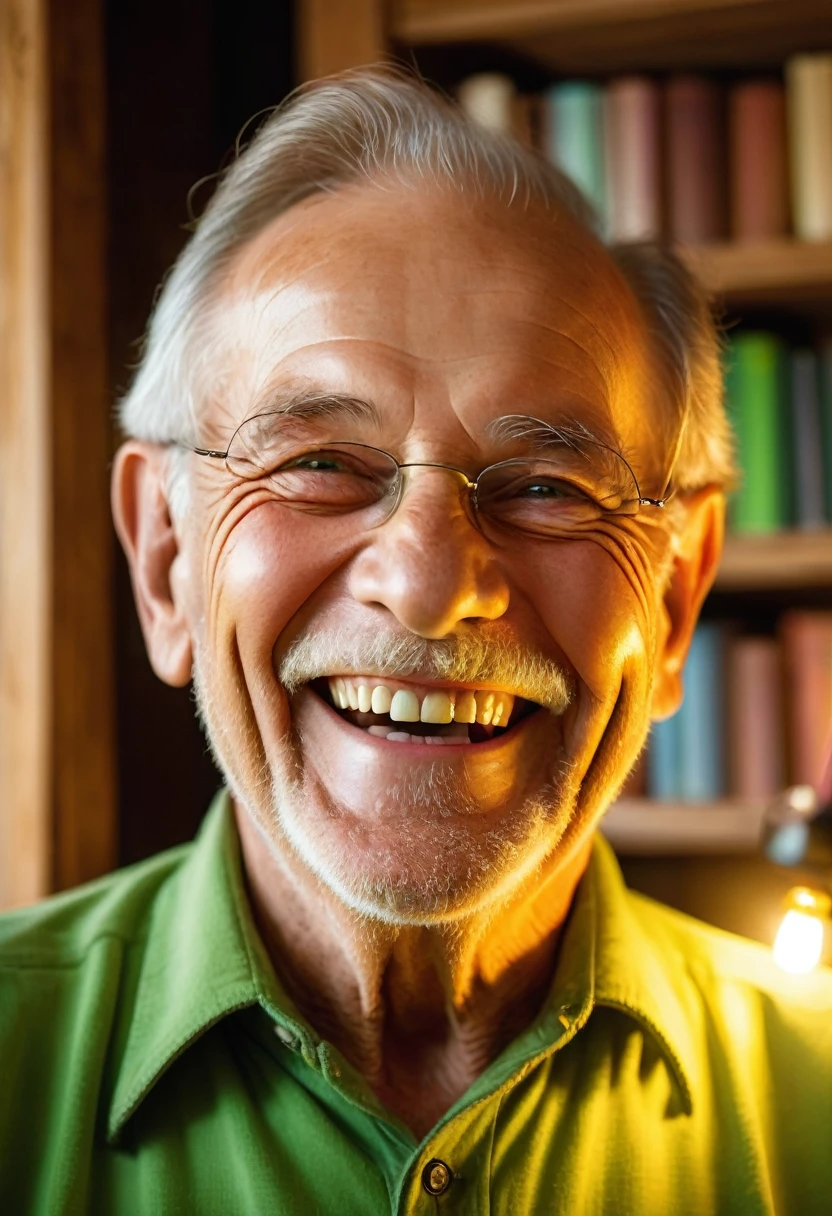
639, 826
776, 561
613, 35
775, 272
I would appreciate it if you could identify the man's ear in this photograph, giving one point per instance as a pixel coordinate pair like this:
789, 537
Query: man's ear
697, 548
147, 534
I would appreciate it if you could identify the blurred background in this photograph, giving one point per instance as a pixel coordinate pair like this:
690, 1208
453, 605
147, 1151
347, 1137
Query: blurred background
703, 122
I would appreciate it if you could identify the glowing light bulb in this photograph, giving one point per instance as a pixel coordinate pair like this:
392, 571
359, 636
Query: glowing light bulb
798, 945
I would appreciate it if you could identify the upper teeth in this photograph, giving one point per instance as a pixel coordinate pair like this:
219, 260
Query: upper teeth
436, 705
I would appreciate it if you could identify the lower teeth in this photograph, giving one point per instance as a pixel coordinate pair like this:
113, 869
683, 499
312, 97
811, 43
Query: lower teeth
400, 736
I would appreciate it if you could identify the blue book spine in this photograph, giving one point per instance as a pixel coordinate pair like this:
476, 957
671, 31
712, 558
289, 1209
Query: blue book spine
663, 758
701, 724
575, 139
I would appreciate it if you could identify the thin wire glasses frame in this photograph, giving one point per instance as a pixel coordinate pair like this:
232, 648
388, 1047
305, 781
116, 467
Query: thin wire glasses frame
571, 508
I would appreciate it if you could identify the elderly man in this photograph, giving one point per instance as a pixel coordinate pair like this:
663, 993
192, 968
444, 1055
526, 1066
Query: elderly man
424, 491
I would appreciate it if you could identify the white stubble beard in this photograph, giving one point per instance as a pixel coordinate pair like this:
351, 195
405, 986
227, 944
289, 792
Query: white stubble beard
440, 869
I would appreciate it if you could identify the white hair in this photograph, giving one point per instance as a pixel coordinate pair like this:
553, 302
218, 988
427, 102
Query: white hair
383, 123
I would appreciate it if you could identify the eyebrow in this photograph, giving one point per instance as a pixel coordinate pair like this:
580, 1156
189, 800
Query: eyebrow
542, 436
308, 405
601, 448
305, 405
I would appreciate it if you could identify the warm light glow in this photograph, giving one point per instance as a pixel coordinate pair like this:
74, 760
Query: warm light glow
799, 942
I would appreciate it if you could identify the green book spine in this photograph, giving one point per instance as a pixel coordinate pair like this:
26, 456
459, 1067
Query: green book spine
826, 425
575, 138
756, 394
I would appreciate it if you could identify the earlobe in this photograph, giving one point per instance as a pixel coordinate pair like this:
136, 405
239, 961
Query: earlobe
697, 551
149, 539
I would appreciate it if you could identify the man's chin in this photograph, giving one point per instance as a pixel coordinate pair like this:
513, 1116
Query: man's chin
434, 864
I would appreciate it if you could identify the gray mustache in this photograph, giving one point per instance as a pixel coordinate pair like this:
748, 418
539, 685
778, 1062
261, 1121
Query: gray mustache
467, 658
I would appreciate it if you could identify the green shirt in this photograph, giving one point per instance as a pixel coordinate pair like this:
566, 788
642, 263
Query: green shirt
152, 1064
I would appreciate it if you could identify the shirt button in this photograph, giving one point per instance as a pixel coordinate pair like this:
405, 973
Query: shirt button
436, 1177
285, 1035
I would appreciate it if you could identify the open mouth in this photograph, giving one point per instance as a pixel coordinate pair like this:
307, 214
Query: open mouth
438, 716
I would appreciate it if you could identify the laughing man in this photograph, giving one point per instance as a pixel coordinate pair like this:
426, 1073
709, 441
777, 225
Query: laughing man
423, 490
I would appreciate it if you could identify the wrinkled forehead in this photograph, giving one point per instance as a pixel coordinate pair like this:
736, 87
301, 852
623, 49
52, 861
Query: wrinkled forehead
442, 303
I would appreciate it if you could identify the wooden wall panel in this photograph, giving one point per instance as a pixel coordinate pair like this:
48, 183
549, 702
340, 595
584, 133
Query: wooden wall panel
337, 34
25, 584
56, 720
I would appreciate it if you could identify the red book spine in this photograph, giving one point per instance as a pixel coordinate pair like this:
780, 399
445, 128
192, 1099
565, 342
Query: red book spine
695, 160
807, 640
756, 718
758, 161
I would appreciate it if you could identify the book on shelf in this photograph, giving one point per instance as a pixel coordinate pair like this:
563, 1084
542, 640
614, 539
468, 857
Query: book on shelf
572, 137
807, 442
685, 754
633, 158
809, 85
701, 717
757, 161
755, 387
663, 767
825, 359
756, 722
489, 99
694, 158
807, 648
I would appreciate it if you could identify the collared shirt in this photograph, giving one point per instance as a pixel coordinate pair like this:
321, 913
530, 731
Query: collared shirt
151, 1063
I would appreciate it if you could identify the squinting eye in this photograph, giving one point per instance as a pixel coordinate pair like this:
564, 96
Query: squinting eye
550, 489
543, 491
315, 464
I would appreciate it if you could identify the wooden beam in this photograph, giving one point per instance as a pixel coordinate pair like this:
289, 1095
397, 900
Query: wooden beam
25, 499
337, 34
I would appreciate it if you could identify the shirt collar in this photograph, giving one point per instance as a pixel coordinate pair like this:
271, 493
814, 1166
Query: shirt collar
204, 959
638, 969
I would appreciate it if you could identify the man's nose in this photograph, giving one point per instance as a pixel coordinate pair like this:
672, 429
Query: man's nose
429, 565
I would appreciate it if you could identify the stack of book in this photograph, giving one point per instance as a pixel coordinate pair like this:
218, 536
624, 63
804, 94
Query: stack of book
756, 714
780, 403
686, 158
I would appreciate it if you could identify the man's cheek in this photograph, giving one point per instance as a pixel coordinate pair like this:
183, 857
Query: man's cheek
596, 619
274, 561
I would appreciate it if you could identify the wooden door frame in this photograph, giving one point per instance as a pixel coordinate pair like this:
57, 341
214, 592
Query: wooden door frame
57, 734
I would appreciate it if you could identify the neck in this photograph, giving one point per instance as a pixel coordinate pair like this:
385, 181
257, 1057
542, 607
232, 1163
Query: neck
420, 1011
